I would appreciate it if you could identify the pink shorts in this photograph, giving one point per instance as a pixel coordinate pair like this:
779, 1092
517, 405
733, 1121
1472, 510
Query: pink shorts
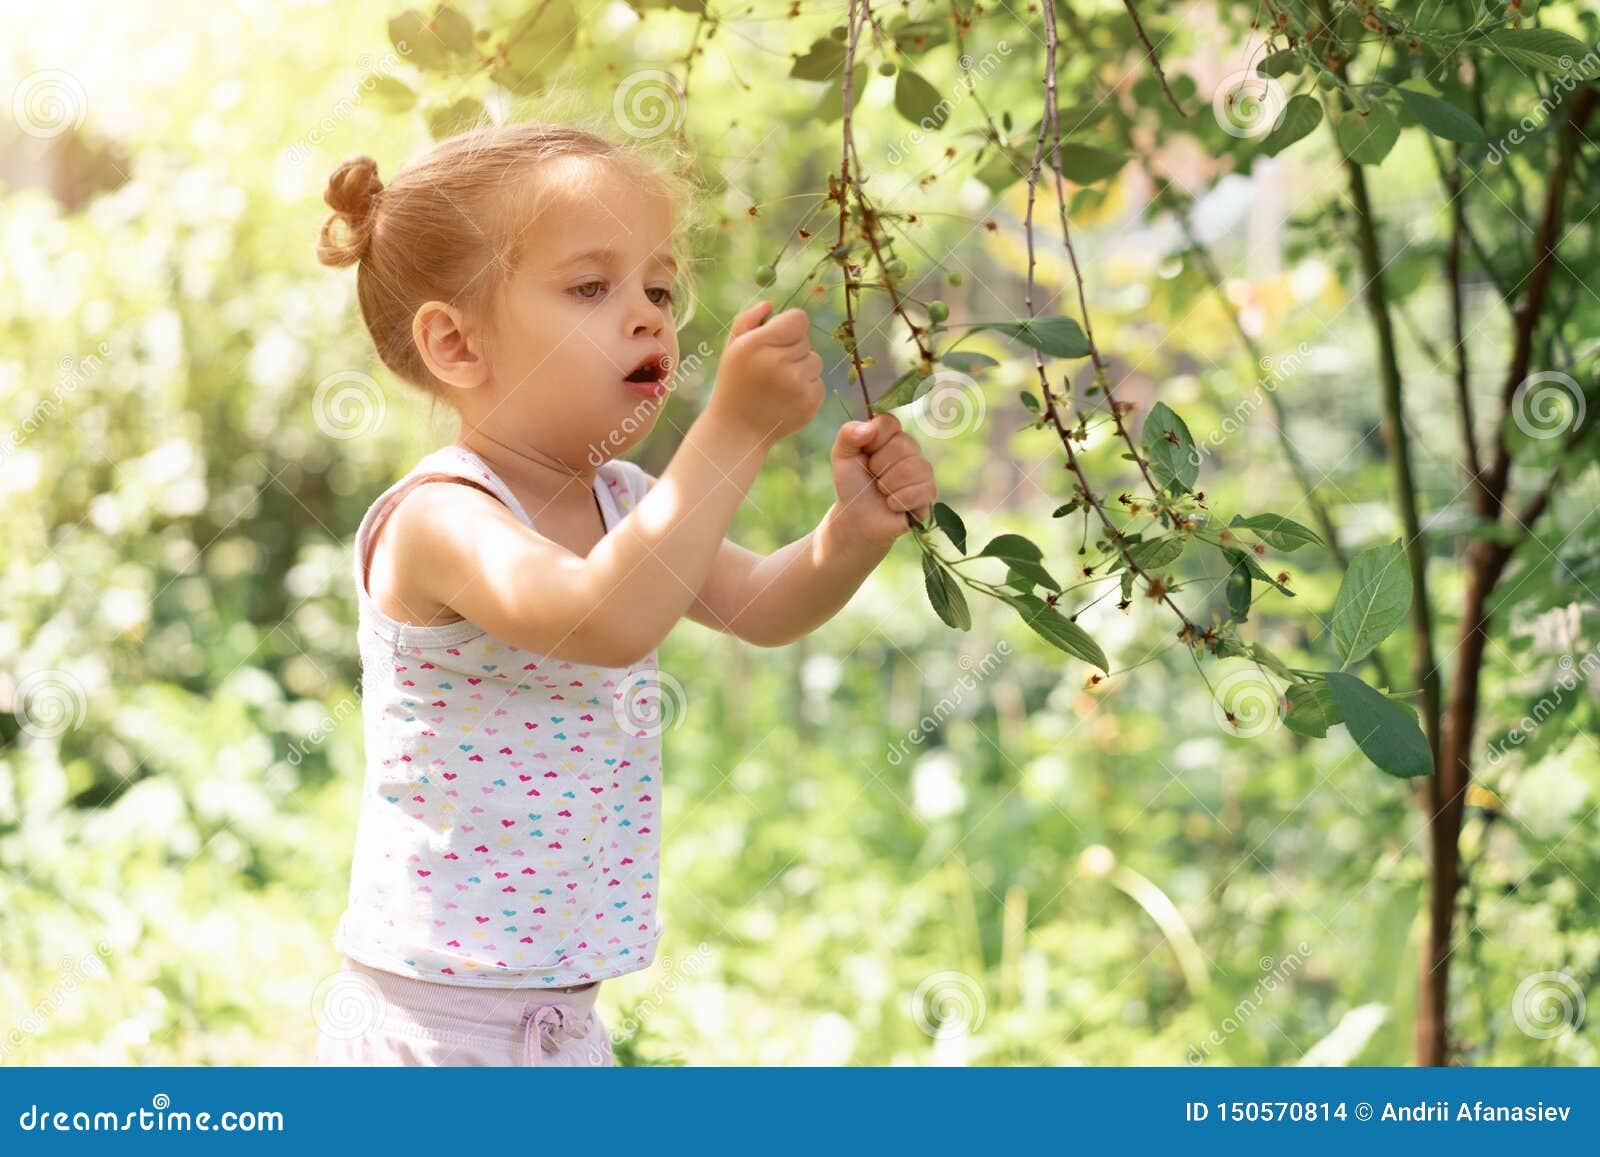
372, 1017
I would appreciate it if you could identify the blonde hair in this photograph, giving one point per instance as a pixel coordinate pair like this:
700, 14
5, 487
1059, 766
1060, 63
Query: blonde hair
444, 229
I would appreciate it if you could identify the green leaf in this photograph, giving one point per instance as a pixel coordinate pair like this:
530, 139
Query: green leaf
1085, 164
1060, 337
1058, 630
1238, 592
1030, 402
825, 57
1367, 139
903, 391
539, 49
945, 595
1004, 167
409, 34
1386, 731
950, 522
1169, 447
1439, 116
830, 106
1154, 553
1011, 546
453, 30
1280, 62
1306, 714
967, 361
1276, 531
1065, 509
1542, 48
1372, 600
911, 36
918, 101
1301, 116
464, 114
389, 94
1247, 559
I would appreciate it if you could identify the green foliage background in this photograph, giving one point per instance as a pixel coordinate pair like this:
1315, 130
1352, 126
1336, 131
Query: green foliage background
887, 816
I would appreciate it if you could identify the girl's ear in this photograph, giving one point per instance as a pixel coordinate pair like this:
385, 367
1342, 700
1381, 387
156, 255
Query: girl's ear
451, 352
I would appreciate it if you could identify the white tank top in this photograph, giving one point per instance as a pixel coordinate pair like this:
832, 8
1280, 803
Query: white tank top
509, 830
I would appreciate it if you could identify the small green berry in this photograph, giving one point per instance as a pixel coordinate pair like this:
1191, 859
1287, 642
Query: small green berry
954, 278
840, 33
886, 68
1326, 80
765, 275
895, 268
937, 311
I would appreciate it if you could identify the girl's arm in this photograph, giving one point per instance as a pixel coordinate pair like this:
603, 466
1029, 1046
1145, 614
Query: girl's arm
770, 600
614, 606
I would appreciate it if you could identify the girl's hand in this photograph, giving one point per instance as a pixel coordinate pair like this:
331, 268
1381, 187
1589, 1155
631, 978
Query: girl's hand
770, 379
879, 473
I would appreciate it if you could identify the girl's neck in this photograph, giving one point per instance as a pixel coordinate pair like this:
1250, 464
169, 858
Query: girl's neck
529, 469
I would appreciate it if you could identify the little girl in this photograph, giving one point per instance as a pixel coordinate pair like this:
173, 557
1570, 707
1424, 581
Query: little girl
513, 586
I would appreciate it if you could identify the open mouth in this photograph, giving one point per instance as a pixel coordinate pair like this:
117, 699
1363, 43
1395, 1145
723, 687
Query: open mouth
652, 370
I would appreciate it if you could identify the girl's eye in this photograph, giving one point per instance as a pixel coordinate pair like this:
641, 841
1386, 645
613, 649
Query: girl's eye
664, 299
594, 285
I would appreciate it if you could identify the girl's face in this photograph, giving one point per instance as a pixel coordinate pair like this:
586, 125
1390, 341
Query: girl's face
590, 300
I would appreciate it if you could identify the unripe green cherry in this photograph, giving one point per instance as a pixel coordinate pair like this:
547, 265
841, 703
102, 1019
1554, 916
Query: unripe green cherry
895, 268
765, 275
937, 311
954, 279
1326, 80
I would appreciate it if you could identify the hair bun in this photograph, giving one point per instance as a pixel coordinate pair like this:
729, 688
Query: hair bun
352, 193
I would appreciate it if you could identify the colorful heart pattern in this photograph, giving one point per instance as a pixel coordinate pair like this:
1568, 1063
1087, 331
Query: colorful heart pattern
493, 892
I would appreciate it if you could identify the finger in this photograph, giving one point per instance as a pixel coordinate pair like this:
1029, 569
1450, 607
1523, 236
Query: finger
851, 440
906, 472
884, 427
787, 327
898, 447
749, 319
912, 498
